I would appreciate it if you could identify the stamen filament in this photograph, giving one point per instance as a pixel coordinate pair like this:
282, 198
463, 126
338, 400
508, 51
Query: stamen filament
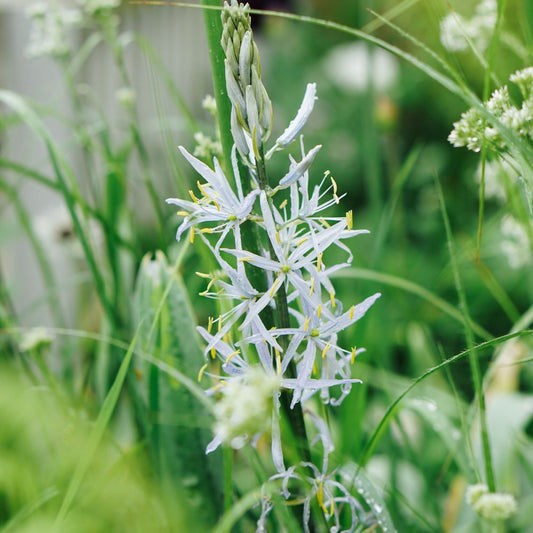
193, 197
325, 350
201, 373
231, 355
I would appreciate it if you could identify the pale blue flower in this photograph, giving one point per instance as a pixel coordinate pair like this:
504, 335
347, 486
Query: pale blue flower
217, 203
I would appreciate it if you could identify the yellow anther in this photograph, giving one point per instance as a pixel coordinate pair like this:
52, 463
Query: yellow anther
327, 173
210, 324
349, 219
278, 238
194, 199
320, 497
219, 385
202, 275
325, 350
274, 287
216, 204
213, 352
319, 311
332, 507
219, 323
202, 190
319, 262
182, 213
324, 222
306, 323
192, 235
301, 241
201, 373
353, 355
206, 230
283, 204
243, 259
351, 312
229, 357
278, 362
315, 370
332, 298
312, 290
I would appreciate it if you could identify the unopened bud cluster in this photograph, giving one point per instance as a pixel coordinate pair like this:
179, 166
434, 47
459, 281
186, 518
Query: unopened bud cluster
474, 130
251, 109
493, 506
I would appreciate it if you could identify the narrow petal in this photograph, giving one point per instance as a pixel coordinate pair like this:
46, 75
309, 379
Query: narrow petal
297, 124
297, 171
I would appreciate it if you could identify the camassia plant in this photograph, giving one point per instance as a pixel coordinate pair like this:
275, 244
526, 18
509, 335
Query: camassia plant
275, 344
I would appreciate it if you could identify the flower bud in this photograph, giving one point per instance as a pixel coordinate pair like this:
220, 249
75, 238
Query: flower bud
252, 109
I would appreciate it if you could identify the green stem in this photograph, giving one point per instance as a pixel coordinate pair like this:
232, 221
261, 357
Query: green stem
213, 27
46, 270
295, 415
79, 128
473, 356
111, 36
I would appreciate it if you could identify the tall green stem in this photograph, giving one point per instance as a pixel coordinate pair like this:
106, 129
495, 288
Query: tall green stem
213, 27
250, 236
295, 415
473, 355
110, 33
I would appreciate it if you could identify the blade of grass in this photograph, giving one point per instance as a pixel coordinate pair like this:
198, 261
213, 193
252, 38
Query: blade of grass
486, 91
60, 167
97, 433
413, 288
50, 282
520, 147
181, 378
179, 179
388, 210
374, 439
213, 27
473, 357
166, 76
393, 12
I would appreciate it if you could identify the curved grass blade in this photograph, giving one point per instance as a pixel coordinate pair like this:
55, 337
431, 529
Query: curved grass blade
62, 172
409, 286
98, 432
370, 446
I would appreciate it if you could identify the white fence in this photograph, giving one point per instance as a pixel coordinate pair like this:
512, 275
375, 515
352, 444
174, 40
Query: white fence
176, 34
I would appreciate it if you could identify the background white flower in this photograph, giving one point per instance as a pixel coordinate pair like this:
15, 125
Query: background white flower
355, 67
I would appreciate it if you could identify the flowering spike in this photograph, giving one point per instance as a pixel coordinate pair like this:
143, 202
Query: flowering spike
297, 353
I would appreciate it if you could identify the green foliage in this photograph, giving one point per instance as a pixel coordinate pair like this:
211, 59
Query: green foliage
178, 431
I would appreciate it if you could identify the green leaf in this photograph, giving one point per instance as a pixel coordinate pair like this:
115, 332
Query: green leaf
178, 434
354, 476
97, 433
